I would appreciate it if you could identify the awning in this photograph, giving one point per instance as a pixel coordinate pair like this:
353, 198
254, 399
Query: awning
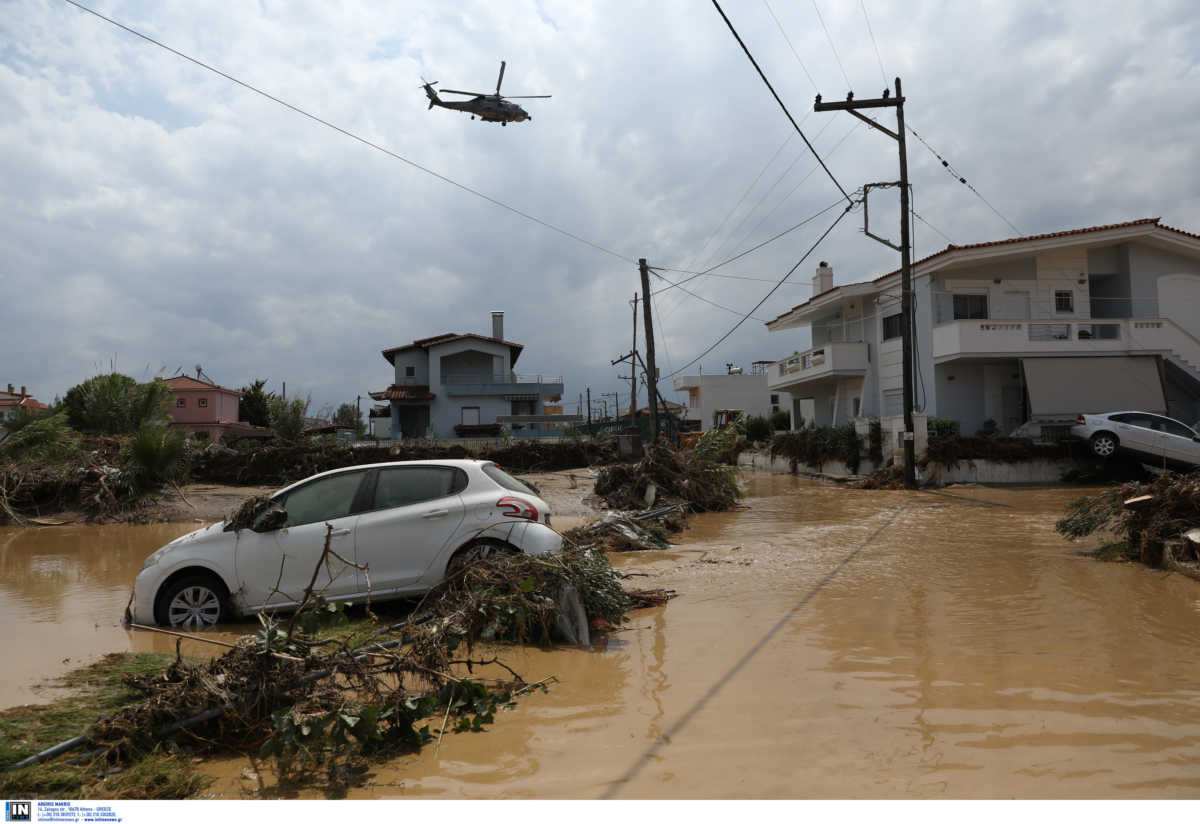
1061, 388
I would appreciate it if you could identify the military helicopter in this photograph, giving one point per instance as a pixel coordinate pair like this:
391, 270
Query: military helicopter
493, 108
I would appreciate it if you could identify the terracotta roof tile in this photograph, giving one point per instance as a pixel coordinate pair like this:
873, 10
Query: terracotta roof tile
403, 393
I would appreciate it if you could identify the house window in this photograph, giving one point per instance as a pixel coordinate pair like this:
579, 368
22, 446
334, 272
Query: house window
203, 403
774, 399
891, 327
1064, 301
857, 402
410, 371
181, 403
970, 307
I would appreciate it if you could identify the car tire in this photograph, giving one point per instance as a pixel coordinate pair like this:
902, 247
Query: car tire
192, 602
1104, 445
477, 551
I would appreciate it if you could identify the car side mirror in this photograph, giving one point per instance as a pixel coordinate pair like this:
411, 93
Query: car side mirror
271, 520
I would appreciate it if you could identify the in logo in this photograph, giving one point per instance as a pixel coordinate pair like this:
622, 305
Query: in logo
18, 810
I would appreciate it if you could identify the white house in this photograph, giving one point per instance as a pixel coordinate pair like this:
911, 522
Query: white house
1032, 329
748, 393
457, 385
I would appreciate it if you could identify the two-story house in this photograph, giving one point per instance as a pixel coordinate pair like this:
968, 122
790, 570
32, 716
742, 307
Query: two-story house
457, 385
1031, 329
206, 409
11, 402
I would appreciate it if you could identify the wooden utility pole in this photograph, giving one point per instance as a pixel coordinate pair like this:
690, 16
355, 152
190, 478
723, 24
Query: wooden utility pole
906, 294
651, 376
589, 397
633, 368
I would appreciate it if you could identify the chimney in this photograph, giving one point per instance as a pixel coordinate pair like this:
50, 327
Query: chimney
498, 325
823, 280
10, 390
23, 392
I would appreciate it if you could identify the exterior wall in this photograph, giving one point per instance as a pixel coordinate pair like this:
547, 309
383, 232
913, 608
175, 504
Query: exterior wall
746, 392
221, 406
471, 363
445, 412
418, 359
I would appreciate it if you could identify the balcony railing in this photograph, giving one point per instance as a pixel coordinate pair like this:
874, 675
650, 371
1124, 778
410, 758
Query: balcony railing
844, 358
510, 378
980, 337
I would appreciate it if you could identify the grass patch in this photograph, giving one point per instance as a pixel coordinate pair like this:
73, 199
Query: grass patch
94, 690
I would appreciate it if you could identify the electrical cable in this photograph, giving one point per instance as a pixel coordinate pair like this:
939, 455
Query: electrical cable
790, 46
673, 285
789, 230
803, 258
354, 136
832, 47
871, 32
774, 94
954, 174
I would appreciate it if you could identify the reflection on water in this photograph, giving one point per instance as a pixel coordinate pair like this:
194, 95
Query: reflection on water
963, 650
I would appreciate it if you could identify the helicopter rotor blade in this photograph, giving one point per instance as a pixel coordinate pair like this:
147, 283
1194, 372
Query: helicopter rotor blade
473, 94
500, 79
525, 96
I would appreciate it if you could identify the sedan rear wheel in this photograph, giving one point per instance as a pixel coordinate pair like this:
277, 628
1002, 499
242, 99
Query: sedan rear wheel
193, 602
1104, 444
477, 551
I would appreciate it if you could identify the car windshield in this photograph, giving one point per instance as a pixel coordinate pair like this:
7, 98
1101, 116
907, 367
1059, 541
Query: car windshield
505, 480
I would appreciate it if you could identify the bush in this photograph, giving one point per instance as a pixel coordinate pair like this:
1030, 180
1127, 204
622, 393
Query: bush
45, 438
816, 447
22, 417
154, 454
116, 404
287, 418
988, 430
758, 428
942, 428
781, 421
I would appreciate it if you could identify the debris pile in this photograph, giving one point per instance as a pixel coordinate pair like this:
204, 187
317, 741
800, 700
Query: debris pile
621, 532
665, 476
1152, 519
321, 707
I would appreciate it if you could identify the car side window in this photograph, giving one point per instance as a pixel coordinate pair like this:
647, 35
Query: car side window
405, 485
1175, 428
1142, 421
323, 500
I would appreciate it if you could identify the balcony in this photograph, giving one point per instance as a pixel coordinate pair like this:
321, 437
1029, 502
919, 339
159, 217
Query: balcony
828, 360
990, 338
512, 384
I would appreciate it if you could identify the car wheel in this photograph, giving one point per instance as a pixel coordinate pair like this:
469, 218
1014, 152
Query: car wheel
477, 551
1104, 444
192, 602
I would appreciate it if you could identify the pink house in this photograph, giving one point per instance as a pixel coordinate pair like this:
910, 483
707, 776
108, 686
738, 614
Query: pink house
199, 406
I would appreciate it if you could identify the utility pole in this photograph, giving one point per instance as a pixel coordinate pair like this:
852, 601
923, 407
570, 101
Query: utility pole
633, 368
651, 376
589, 397
906, 294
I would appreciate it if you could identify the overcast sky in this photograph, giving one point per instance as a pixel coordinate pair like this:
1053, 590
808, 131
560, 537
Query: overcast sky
157, 215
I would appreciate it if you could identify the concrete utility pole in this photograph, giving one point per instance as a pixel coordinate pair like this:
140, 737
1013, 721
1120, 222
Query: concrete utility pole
651, 372
906, 295
589, 397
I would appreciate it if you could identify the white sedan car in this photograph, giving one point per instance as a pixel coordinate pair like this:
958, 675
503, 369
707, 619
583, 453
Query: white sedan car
403, 523
1152, 439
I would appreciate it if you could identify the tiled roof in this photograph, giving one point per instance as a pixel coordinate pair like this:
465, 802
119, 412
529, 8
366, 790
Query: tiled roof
403, 393
184, 382
425, 343
1146, 221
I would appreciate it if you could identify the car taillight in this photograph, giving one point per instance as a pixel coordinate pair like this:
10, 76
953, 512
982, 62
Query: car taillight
517, 508
1081, 419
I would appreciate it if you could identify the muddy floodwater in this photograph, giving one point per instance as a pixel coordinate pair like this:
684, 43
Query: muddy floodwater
827, 642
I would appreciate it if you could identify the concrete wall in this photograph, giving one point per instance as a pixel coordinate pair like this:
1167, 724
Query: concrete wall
445, 411
746, 392
416, 358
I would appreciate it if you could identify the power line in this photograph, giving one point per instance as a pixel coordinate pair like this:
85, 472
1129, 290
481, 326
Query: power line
931, 226
832, 47
871, 32
790, 46
796, 126
787, 231
746, 193
954, 174
721, 339
354, 136
674, 285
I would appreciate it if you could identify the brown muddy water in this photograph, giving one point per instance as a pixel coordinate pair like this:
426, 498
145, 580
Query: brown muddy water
827, 642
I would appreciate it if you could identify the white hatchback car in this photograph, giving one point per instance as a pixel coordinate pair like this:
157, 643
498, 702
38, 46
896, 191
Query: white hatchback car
405, 522
1153, 439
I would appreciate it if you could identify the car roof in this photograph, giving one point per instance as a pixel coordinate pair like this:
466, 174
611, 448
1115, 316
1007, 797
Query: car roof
458, 463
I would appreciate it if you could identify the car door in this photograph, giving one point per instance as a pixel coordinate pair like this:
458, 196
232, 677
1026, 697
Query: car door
1180, 443
1137, 435
414, 512
277, 571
